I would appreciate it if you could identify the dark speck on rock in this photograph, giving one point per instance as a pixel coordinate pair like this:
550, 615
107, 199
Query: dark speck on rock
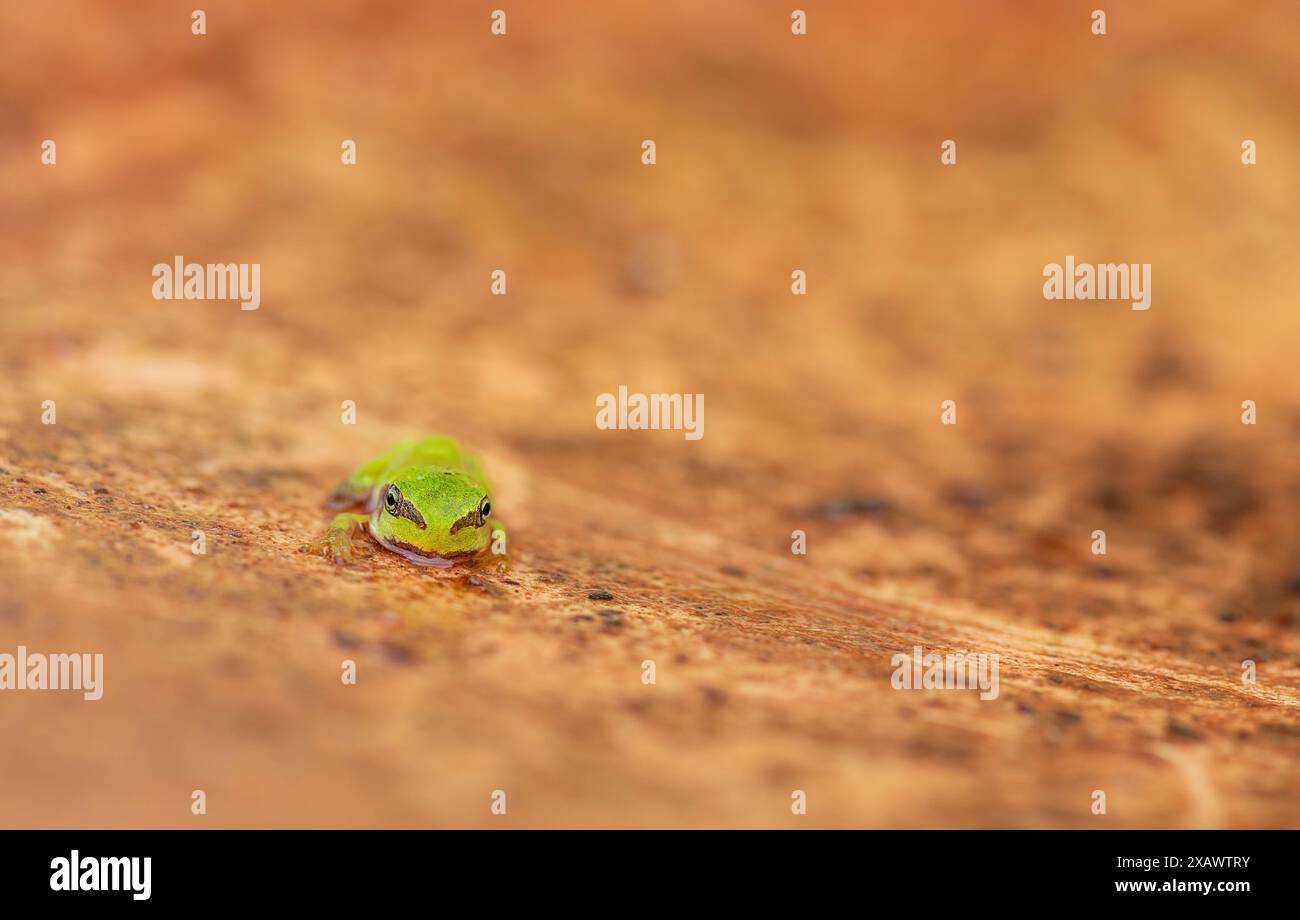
38, 491
853, 506
1182, 730
1281, 728
612, 618
600, 596
714, 696
1293, 585
344, 639
1227, 616
398, 653
733, 571
968, 495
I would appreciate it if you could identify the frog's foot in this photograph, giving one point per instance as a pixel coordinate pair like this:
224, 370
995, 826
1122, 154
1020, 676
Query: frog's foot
336, 543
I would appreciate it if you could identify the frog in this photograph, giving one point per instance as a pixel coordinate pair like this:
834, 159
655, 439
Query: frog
424, 499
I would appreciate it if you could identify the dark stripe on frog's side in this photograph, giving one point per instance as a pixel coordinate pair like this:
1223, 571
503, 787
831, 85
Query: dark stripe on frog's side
470, 519
405, 509
411, 513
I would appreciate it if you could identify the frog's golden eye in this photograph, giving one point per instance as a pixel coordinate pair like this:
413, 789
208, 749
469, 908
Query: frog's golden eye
485, 509
392, 499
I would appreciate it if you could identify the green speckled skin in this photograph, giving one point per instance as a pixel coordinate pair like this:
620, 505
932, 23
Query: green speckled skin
422, 498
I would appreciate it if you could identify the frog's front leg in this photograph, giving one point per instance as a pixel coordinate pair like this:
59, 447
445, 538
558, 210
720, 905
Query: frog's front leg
336, 543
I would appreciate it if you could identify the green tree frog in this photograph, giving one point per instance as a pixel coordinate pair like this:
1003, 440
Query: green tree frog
423, 499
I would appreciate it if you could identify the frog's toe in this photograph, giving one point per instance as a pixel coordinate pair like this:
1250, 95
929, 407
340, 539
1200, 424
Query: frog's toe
336, 546
339, 549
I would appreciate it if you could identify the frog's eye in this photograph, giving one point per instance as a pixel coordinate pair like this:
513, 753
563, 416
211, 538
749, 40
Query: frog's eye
392, 499
485, 509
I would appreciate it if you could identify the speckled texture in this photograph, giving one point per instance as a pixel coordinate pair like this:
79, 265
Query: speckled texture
822, 414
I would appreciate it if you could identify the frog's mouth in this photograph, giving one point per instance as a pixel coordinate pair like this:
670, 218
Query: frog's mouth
419, 556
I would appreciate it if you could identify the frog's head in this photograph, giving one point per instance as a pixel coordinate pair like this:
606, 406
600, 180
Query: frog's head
431, 515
